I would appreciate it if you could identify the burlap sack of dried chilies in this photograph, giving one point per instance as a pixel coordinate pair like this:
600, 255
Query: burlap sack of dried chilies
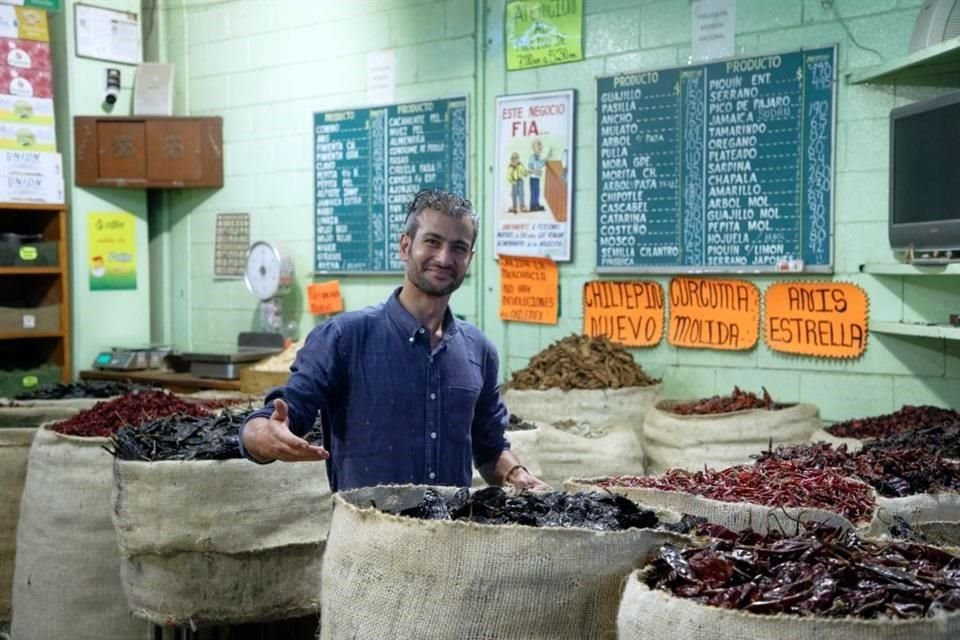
30, 414
695, 441
590, 398
654, 614
14, 449
67, 574
858, 431
220, 541
388, 576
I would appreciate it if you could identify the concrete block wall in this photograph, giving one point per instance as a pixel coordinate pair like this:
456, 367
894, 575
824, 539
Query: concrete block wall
266, 66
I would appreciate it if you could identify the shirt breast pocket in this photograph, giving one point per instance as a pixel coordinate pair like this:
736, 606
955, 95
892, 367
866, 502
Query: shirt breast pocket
460, 403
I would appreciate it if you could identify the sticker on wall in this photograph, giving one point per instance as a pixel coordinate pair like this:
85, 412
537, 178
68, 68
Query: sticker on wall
714, 314
543, 32
629, 313
111, 250
324, 298
533, 185
821, 319
529, 290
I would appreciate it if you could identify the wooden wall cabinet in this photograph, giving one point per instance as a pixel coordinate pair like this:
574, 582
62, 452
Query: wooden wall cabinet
148, 152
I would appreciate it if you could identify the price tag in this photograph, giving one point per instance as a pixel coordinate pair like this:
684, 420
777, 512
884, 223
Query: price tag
324, 297
714, 314
28, 253
29, 321
630, 313
29, 381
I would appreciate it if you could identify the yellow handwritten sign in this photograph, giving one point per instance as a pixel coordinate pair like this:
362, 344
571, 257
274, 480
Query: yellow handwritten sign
324, 297
714, 314
529, 290
822, 319
630, 313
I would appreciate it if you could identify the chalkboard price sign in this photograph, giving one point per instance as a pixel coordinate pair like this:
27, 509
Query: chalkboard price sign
722, 167
368, 164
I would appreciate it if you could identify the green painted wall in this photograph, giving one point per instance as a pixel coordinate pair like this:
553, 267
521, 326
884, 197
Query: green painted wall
101, 319
267, 66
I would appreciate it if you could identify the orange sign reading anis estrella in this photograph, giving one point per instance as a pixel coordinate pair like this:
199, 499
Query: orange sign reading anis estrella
822, 319
714, 314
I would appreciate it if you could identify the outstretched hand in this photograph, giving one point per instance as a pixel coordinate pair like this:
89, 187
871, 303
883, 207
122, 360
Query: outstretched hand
267, 439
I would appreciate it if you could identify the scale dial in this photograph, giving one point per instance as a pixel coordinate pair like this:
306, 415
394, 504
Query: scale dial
269, 271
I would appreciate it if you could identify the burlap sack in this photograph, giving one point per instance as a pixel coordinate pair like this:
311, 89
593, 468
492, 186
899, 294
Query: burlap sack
735, 516
721, 440
921, 508
387, 576
14, 449
225, 541
67, 575
647, 614
603, 409
822, 435
30, 414
525, 445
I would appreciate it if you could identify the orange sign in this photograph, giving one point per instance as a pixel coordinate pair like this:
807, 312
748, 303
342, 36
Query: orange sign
714, 314
630, 313
324, 297
823, 319
529, 290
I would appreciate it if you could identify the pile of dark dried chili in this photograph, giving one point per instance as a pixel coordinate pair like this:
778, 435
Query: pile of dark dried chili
181, 437
822, 572
736, 401
773, 482
893, 468
104, 418
906, 419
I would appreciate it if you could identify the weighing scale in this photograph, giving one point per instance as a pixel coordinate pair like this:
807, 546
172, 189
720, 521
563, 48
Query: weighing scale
226, 365
131, 358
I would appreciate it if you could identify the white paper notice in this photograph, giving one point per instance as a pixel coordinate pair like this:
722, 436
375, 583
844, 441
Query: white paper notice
106, 34
381, 77
712, 29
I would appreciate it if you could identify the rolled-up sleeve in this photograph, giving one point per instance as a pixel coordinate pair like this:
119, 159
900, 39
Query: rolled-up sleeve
490, 417
313, 381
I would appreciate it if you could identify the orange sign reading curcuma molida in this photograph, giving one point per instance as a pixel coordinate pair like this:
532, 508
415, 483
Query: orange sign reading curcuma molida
529, 290
714, 314
822, 319
630, 313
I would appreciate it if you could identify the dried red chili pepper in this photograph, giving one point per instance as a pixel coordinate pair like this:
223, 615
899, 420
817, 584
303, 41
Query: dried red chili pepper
736, 401
104, 418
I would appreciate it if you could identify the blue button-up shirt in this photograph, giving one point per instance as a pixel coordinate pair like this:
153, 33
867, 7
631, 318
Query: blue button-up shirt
394, 409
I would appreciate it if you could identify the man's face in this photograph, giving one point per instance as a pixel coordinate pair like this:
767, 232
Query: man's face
437, 259
537, 147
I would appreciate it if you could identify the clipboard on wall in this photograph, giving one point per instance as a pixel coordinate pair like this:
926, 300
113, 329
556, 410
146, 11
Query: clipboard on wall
107, 34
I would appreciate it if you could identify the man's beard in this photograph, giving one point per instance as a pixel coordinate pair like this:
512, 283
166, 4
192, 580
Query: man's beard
419, 279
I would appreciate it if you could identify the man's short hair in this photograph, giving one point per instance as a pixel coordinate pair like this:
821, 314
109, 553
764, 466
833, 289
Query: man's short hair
444, 202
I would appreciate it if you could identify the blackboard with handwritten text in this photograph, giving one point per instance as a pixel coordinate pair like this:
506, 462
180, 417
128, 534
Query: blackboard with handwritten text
721, 167
368, 164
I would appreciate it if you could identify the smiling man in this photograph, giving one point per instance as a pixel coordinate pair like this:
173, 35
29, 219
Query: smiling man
406, 392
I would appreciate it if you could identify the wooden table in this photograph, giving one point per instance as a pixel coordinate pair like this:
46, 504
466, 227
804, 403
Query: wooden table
175, 382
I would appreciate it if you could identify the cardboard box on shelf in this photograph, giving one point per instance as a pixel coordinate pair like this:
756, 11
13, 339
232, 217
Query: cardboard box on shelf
36, 137
23, 109
27, 188
34, 163
28, 83
25, 54
24, 23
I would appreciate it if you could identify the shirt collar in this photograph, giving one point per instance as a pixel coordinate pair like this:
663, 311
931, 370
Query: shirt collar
409, 326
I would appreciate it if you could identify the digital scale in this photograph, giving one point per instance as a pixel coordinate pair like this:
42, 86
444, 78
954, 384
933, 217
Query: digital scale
131, 359
226, 365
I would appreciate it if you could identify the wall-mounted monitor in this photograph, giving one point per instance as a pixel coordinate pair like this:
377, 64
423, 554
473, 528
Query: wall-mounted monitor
925, 177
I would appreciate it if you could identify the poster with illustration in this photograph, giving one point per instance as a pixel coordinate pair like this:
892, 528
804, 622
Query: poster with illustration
533, 175
112, 250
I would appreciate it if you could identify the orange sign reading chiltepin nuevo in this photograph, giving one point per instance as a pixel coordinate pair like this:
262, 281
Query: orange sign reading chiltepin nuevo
529, 290
714, 314
324, 297
823, 319
630, 313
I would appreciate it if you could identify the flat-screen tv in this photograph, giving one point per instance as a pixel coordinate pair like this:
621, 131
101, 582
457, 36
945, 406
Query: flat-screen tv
925, 177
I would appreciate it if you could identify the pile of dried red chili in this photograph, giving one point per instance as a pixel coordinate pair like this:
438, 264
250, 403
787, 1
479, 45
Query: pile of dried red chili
104, 418
773, 482
736, 401
896, 468
823, 572
907, 418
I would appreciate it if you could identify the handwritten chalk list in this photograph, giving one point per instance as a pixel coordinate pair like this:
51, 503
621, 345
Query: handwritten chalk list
368, 164
722, 167
822, 319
